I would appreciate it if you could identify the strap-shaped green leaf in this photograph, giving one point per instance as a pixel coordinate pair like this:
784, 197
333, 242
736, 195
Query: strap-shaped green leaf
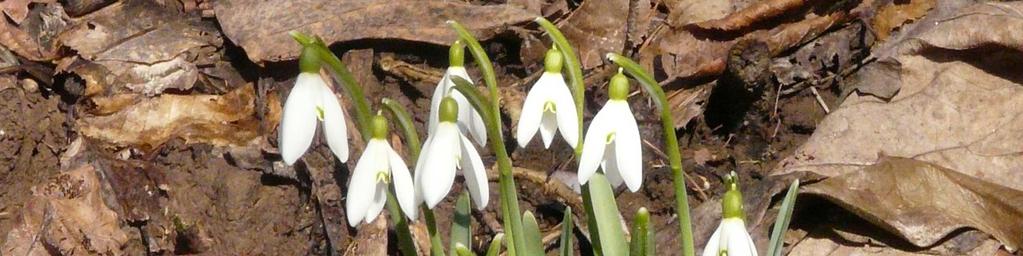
495, 245
461, 222
566, 233
782, 222
605, 210
531, 234
642, 243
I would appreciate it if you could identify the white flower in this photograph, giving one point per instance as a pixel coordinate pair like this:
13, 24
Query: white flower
367, 192
469, 121
731, 236
612, 141
549, 106
309, 100
445, 150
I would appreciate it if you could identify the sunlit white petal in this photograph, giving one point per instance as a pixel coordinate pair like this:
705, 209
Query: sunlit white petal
438, 94
475, 174
469, 120
438, 170
568, 122
531, 114
334, 127
298, 120
610, 166
548, 127
595, 143
363, 185
711, 249
418, 176
403, 188
379, 197
737, 237
628, 147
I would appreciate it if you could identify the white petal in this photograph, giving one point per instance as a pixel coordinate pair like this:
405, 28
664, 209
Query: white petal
403, 188
475, 174
532, 112
362, 186
568, 121
737, 238
298, 122
477, 128
379, 200
595, 144
439, 169
628, 147
438, 94
418, 175
548, 127
334, 127
752, 246
713, 244
610, 166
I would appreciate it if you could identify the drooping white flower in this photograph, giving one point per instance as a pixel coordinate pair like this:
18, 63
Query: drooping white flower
469, 121
549, 107
612, 141
731, 237
378, 166
445, 150
311, 100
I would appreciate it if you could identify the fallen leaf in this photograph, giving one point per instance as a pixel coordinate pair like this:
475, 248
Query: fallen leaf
36, 37
261, 27
371, 240
894, 15
752, 14
688, 103
68, 216
925, 203
220, 120
17, 10
147, 55
824, 57
683, 12
782, 38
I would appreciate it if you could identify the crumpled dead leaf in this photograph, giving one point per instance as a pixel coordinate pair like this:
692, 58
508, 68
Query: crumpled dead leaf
220, 120
752, 14
959, 107
261, 27
35, 38
69, 216
17, 10
926, 202
597, 28
137, 46
894, 15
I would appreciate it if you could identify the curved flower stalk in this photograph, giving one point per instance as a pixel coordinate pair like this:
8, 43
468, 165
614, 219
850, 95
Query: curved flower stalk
731, 237
549, 106
311, 100
378, 166
445, 150
612, 141
469, 120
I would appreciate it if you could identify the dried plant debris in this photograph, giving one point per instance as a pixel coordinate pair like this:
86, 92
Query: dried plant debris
261, 27
752, 14
596, 28
219, 120
68, 216
122, 53
17, 10
896, 14
924, 203
36, 37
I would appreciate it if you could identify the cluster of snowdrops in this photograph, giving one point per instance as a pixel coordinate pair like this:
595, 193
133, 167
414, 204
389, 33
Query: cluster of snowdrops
460, 118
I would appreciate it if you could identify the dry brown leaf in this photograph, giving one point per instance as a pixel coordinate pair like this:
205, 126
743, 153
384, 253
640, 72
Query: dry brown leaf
36, 37
68, 216
681, 54
752, 14
597, 28
261, 27
682, 12
17, 10
688, 103
894, 15
791, 35
926, 202
371, 240
123, 53
220, 120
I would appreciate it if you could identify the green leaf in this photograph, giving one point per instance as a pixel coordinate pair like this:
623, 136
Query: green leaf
642, 243
531, 234
566, 233
495, 245
461, 223
408, 128
782, 222
591, 221
461, 250
605, 210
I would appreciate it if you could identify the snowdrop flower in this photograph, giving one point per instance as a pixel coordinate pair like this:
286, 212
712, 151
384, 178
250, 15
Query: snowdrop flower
731, 237
311, 100
469, 121
612, 141
549, 106
378, 166
445, 150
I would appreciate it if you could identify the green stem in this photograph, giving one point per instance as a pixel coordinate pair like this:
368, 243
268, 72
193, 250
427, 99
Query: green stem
575, 73
494, 125
674, 156
405, 242
413, 144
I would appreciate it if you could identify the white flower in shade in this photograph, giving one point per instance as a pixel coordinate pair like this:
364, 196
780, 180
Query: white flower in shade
311, 100
612, 141
445, 150
731, 237
549, 106
469, 121
378, 166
